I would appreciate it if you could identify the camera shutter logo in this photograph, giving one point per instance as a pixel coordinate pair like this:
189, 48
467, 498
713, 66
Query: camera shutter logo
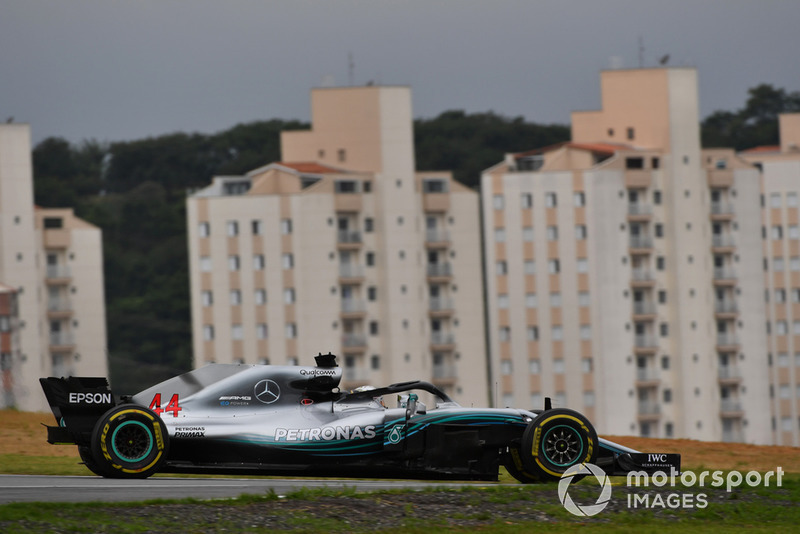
584, 510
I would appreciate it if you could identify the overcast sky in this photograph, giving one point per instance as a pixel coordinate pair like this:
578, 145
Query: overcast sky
118, 70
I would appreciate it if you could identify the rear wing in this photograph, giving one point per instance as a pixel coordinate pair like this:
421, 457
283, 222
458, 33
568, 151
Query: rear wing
77, 403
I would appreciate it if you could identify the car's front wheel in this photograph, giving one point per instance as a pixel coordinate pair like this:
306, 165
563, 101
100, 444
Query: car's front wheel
555, 441
129, 441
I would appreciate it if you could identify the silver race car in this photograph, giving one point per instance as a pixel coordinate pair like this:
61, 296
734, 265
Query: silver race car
294, 420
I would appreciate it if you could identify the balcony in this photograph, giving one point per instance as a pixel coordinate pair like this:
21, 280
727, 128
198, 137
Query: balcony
649, 410
724, 275
351, 272
640, 244
721, 211
440, 270
641, 277
437, 238
645, 343
732, 436
354, 343
644, 309
441, 306
348, 239
355, 374
444, 374
442, 340
61, 340
647, 376
727, 342
731, 408
722, 242
59, 308
724, 308
640, 212
729, 374
58, 274
351, 307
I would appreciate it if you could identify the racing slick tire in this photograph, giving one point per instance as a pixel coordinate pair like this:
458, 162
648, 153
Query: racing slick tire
88, 460
555, 441
512, 461
129, 441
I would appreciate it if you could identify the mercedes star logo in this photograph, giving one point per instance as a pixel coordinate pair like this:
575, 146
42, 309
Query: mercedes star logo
267, 391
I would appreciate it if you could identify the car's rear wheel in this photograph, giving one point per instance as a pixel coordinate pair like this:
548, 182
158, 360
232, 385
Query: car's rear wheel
129, 441
555, 441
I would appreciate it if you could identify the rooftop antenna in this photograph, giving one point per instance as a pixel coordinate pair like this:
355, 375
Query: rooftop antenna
641, 52
351, 69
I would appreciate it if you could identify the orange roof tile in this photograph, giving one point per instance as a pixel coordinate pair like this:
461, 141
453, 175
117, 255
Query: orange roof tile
764, 148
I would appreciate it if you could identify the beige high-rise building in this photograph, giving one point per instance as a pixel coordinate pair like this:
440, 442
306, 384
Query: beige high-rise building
343, 247
780, 188
53, 261
624, 270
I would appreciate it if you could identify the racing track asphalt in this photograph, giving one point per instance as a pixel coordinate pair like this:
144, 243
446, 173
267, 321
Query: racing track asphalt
27, 488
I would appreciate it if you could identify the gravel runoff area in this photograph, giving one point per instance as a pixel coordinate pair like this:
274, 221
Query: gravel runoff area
418, 511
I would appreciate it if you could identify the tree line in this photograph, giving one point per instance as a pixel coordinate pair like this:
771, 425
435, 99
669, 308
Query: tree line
135, 191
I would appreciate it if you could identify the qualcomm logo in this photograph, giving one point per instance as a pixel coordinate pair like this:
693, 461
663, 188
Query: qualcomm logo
584, 510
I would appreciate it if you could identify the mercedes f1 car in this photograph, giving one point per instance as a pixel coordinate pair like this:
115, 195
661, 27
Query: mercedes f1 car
294, 420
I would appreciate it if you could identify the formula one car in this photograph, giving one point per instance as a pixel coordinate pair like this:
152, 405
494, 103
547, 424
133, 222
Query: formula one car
294, 420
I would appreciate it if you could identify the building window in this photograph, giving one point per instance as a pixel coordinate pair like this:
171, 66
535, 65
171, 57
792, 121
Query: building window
780, 295
781, 328
555, 300
257, 227
375, 362
286, 226
586, 332
235, 297
794, 231
499, 235
341, 155
501, 268
586, 365
777, 232
580, 232
207, 298
288, 261
588, 398
664, 329
529, 267
530, 300
233, 228
558, 366
237, 332
504, 334
497, 202
372, 293
583, 265
288, 295
657, 197
505, 367
660, 263
258, 262
205, 264
291, 331
532, 333
233, 263
553, 266
550, 200
659, 230
526, 200
558, 333
777, 264
373, 328
261, 331
260, 296
580, 198
584, 299
775, 200
630, 133
634, 163
791, 200
369, 259
552, 233
534, 368
208, 332
204, 229
369, 224
502, 301
527, 233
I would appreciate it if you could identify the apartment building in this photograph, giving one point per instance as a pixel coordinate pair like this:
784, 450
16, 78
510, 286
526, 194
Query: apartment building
620, 274
343, 246
780, 187
52, 319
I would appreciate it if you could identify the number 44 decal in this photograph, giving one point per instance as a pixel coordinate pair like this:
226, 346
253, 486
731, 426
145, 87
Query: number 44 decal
173, 406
